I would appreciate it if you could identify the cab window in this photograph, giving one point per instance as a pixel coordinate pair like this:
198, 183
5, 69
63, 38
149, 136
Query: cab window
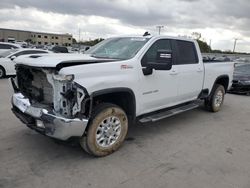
186, 52
151, 54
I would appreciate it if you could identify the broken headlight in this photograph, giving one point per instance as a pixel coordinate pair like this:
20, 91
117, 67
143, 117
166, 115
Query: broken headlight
60, 77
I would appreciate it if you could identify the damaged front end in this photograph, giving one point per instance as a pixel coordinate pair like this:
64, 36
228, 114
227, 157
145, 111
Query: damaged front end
50, 103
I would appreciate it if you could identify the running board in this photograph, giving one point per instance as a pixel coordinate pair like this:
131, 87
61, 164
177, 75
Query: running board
168, 113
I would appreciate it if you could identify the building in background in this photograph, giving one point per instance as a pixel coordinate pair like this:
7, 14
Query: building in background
36, 38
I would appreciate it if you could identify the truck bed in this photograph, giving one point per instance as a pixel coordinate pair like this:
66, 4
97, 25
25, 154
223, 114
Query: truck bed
214, 70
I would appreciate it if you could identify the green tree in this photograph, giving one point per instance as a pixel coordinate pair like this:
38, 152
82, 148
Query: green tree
205, 48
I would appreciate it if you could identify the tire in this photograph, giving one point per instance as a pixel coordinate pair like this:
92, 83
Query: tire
2, 72
215, 101
107, 130
83, 143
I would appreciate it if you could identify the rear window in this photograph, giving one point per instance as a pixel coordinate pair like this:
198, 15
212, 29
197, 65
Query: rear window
7, 46
186, 52
2, 46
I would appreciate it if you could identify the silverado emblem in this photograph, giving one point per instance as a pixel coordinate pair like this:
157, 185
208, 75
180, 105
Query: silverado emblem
127, 67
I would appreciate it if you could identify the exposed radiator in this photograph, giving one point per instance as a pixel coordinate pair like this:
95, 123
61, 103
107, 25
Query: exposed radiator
33, 84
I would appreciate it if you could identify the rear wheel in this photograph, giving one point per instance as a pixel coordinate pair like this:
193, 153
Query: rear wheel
107, 130
215, 101
2, 72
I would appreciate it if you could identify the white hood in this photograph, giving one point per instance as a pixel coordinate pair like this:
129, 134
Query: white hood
52, 60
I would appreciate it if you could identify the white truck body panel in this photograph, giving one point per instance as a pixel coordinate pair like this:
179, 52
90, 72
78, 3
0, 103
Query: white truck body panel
211, 73
53, 59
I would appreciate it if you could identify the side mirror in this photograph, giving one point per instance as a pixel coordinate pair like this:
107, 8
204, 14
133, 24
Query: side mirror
164, 60
12, 57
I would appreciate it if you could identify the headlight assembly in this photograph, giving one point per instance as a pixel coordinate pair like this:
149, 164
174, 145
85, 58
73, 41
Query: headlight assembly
61, 77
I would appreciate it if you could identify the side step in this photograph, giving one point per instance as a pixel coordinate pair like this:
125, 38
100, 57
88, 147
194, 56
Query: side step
168, 113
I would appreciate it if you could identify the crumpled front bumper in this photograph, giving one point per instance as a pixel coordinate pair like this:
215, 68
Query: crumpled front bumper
45, 121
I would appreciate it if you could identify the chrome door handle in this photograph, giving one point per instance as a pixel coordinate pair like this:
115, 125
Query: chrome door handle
199, 70
173, 73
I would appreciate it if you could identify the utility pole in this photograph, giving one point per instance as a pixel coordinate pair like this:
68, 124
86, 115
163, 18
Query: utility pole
159, 27
235, 42
79, 45
79, 35
210, 44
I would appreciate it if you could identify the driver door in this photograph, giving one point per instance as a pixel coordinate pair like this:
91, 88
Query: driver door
159, 89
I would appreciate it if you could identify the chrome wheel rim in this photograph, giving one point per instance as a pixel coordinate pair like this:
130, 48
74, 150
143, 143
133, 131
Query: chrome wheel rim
218, 99
108, 131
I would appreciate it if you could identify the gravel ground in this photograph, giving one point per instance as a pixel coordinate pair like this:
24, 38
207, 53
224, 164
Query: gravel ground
191, 150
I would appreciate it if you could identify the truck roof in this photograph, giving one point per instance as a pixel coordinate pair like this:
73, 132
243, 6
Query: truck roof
157, 37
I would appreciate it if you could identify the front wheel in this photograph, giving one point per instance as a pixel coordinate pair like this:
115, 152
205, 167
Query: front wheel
107, 130
215, 101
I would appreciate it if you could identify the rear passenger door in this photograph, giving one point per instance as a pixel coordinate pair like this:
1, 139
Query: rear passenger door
190, 70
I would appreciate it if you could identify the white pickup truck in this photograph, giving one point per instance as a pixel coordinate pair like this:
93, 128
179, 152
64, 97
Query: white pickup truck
94, 97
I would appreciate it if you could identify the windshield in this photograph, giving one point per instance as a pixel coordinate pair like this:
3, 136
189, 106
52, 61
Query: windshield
7, 53
118, 48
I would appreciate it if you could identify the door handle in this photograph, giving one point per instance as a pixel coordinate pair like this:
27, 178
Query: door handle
173, 73
199, 70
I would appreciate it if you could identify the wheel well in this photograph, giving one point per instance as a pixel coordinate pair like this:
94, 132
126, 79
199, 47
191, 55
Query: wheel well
4, 71
2, 67
223, 80
124, 99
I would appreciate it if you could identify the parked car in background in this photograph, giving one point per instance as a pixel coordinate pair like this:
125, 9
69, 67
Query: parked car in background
5, 46
60, 49
7, 63
242, 60
210, 59
23, 44
241, 79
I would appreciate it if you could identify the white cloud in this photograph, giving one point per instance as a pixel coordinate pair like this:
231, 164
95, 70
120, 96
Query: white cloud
90, 26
